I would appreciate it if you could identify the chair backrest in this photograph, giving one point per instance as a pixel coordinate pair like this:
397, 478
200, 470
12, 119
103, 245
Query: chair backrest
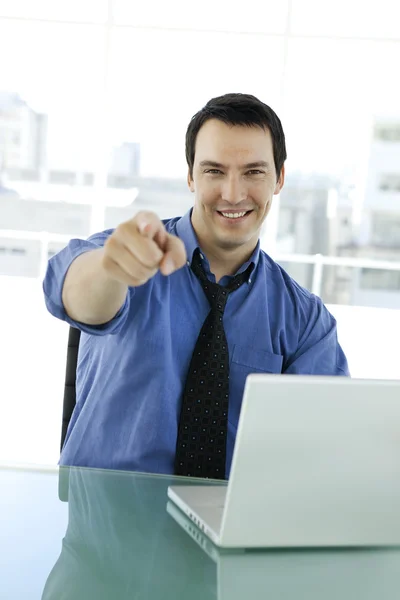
70, 379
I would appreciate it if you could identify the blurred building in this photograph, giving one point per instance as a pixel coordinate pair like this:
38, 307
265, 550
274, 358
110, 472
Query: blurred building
361, 219
378, 223
67, 210
22, 135
317, 214
125, 162
303, 225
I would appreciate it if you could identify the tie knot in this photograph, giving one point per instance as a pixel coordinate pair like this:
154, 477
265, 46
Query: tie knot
217, 295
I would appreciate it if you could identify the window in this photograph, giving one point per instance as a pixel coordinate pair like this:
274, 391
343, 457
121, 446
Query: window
65, 177
375, 279
52, 91
387, 133
16, 138
157, 119
346, 18
95, 99
59, 10
386, 229
317, 109
389, 182
211, 15
12, 251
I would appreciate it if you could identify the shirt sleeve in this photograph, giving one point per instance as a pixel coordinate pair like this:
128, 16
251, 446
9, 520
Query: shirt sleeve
318, 352
53, 283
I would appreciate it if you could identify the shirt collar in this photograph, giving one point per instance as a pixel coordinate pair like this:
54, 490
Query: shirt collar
185, 231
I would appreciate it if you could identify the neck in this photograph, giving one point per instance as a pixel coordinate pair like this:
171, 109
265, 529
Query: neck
225, 261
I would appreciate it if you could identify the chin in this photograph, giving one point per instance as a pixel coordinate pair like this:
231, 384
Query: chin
231, 242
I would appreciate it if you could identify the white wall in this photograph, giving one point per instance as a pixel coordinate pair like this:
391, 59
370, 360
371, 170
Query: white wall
370, 338
377, 298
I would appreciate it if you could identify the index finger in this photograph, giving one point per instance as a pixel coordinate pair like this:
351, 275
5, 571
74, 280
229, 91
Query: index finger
175, 255
150, 225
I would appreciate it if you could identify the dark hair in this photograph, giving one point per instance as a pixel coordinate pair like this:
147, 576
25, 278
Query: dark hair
238, 109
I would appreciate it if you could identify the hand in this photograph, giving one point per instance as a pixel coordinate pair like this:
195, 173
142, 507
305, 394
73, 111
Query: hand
138, 248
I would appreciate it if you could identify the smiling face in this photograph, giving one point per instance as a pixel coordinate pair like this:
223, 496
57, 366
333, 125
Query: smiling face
234, 181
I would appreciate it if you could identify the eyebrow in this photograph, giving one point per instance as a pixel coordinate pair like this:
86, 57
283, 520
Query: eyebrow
252, 165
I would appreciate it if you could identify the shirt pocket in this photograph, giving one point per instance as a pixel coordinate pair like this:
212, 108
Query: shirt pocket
246, 360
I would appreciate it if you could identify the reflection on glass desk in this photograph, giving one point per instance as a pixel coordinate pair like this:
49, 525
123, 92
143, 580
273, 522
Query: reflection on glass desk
92, 535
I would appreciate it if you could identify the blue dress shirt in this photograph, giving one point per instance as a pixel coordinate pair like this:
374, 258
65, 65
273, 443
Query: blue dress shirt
132, 370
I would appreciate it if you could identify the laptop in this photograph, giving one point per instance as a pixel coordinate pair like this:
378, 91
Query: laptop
331, 574
316, 464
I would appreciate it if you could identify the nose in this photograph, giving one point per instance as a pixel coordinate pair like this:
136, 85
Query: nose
233, 189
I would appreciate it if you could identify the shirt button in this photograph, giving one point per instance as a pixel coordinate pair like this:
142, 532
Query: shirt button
202, 257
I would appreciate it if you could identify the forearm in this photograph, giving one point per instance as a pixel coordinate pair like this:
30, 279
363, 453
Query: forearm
89, 294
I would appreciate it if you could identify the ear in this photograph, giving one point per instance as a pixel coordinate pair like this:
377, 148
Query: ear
190, 182
280, 182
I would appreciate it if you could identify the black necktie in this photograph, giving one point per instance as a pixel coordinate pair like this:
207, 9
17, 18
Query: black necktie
202, 432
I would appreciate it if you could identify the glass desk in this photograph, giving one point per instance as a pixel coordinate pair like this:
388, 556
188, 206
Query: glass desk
92, 535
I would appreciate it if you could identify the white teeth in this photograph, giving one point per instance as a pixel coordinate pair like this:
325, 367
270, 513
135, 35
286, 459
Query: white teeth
234, 215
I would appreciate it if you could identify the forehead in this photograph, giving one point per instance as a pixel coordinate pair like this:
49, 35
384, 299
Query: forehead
237, 143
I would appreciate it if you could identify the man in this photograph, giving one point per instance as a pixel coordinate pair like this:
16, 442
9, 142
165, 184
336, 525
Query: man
146, 298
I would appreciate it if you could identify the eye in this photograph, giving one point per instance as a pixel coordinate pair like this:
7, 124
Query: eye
255, 172
213, 171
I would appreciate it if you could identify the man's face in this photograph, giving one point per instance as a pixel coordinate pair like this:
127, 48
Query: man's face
234, 181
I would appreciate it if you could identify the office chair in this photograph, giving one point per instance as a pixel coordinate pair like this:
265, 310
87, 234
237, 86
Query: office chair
70, 379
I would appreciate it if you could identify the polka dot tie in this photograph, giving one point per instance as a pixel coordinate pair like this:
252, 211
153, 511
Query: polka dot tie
202, 431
